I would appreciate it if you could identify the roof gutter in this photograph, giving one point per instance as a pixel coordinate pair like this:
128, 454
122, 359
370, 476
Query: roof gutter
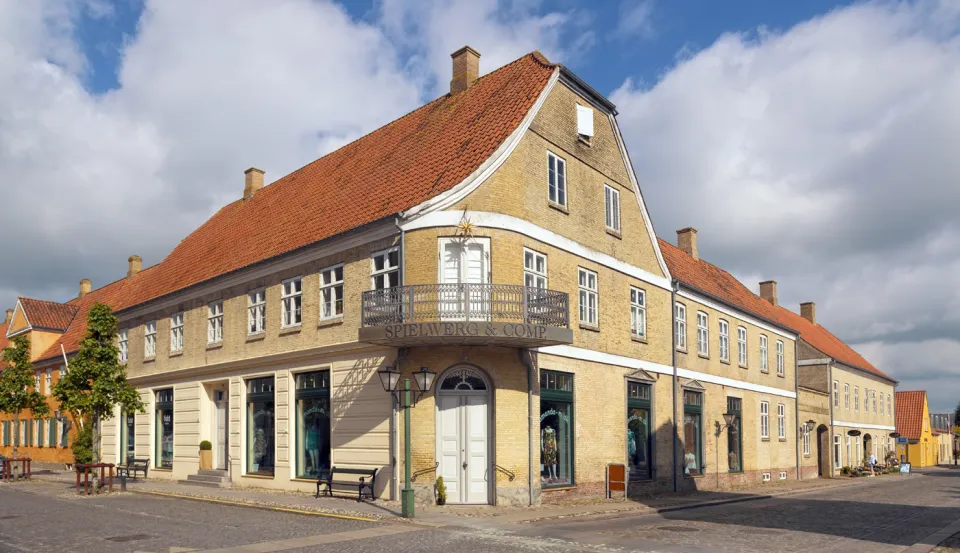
587, 90
708, 295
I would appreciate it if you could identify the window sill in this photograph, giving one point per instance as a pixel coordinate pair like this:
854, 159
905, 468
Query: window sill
332, 321
764, 439
161, 470
615, 233
725, 362
214, 345
781, 376
693, 476
590, 327
584, 139
782, 439
175, 353
682, 350
640, 339
561, 208
702, 356
301, 479
257, 476
558, 488
764, 371
742, 366
256, 337
150, 359
290, 330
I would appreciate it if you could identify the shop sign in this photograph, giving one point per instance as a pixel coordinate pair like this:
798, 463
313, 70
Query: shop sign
902, 440
905, 468
469, 329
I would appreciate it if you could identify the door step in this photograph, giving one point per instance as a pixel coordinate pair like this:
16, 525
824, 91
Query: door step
209, 479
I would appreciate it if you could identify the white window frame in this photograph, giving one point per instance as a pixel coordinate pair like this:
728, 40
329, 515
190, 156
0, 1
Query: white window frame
806, 441
703, 334
386, 270
846, 395
532, 276
873, 398
256, 312
866, 400
559, 188
215, 322
889, 405
611, 208
176, 332
724, 329
123, 346
584, 121
765, 420
764, 355
780, 360
881, 403
836, 393
781, 421
333, 288
856, 398
36, 383
49, 381
742, 346
291, 302
150, 339
680, 325
638, 312
585, 295
837, 452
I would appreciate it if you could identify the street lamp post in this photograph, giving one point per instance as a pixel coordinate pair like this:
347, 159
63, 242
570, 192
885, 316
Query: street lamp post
390, 380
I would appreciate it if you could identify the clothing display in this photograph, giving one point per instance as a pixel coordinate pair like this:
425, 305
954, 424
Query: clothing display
549, 453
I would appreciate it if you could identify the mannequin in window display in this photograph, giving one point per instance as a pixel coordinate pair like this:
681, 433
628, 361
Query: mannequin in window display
636, 442
313, 445
260, 446
549, 453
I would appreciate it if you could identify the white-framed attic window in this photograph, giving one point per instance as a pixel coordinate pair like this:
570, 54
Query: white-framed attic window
585, 122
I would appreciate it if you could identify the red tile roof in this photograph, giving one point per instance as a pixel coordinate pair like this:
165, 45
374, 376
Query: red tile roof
910, 413
47, 314
713, 280
3, 339
392, 169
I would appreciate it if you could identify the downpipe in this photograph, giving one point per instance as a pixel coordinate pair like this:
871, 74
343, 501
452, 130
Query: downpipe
676, 425
526, 357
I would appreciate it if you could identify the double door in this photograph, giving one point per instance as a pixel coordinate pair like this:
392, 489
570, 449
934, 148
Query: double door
464, 268
462, 446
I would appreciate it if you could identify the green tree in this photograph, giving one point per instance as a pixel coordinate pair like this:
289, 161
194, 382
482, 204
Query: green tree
96, 381
16, 387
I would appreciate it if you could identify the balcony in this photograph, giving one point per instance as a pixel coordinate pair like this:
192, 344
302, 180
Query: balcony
466, 314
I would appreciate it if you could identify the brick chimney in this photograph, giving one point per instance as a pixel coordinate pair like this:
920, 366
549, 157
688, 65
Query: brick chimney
9, 317
768, 291
84, 287
808, 311
252, 182
134, 264
687, 241
466, 69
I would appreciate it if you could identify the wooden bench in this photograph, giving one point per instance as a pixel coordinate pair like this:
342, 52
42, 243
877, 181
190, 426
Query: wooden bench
326, 478
133, 466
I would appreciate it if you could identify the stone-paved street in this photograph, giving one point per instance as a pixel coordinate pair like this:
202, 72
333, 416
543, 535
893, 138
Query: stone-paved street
888, 514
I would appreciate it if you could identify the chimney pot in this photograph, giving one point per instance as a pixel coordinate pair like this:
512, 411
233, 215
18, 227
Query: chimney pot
466, 69
252, 182
687, 241
134, 264
808, 311
768, 291
84, 287
9, 317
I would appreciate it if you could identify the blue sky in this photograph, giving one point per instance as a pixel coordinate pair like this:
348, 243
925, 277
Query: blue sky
810, 142
674, 29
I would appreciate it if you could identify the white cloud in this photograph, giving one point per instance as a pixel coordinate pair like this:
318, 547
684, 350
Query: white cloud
824, 157
636, 19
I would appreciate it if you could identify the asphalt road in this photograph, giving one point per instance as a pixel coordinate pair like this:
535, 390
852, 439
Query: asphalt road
888, 515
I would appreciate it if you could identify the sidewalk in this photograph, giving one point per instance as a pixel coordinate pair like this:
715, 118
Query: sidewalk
475, 516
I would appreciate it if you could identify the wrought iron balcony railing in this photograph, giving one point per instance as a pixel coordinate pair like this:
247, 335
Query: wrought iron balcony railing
495, 303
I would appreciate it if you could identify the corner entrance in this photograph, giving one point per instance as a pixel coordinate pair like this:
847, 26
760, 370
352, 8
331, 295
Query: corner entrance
463, 437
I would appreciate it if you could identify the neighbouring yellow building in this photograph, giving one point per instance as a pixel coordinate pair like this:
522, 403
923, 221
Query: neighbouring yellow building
913, 423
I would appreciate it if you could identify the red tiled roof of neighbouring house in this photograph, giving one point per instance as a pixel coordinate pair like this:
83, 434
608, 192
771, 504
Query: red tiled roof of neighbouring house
48, 315
713, 280
392, 169
3, 339
112, 294
910, 414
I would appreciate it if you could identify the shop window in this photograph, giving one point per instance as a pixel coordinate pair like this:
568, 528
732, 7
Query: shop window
692, 433
638, 431
127, 436
734, 436
260, 426
556, 429
164, 432
313, 423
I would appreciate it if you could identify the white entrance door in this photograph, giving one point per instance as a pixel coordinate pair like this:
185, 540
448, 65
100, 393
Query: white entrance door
463, 437
463, 261
220, 448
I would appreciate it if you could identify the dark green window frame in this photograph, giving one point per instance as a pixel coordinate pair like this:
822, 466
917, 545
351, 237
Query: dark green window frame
40, 430
261, 390
164, 405
639, 396
313, 445
52, 432
557, 388
6, 433
735, 432
693, 406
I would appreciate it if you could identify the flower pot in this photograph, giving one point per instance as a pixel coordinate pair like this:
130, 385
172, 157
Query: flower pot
206, 459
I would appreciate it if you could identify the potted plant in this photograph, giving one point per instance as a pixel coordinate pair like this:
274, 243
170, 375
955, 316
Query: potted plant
441, 491
206, 455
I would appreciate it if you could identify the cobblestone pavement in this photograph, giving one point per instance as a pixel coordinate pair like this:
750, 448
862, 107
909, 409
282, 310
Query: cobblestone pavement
890, 515
880, 516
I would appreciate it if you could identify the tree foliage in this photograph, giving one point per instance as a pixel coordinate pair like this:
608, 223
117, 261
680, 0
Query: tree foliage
96, 381
16, 386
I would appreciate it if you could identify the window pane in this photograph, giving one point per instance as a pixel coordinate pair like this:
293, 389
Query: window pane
691, 444
556, 443
638, 442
